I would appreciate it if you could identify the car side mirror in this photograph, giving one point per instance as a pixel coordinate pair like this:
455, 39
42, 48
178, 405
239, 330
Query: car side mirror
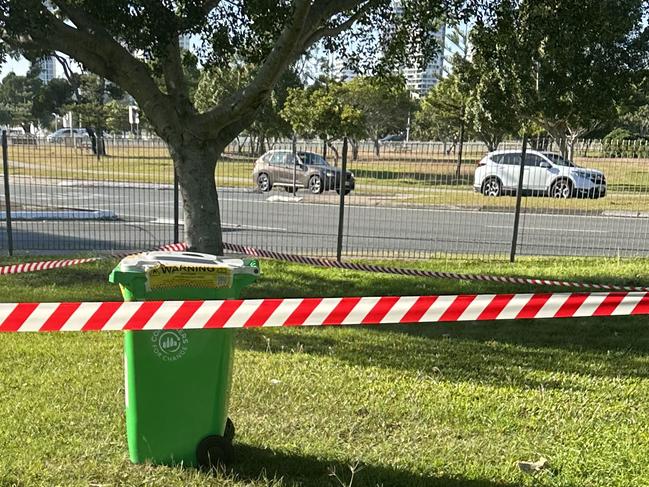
546, 165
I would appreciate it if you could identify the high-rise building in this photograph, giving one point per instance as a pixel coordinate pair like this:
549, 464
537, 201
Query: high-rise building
47, 68
185, 42
418, 80
339, 71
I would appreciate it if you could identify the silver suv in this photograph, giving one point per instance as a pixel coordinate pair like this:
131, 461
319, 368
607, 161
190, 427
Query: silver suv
311, 171
545, 173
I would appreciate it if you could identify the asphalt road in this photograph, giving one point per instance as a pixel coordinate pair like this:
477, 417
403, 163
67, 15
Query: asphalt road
276, 221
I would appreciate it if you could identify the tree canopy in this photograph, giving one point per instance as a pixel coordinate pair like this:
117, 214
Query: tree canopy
134, 44
566, 63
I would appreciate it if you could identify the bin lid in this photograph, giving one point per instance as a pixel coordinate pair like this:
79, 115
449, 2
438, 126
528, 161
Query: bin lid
148, 260
180, 269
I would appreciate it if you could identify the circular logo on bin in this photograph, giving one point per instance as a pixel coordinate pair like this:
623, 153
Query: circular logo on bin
169, 345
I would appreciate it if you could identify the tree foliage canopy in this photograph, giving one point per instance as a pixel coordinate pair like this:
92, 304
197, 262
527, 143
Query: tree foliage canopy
566, 63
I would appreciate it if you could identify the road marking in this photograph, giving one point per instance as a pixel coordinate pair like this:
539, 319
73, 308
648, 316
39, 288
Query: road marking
550, 229
170, 221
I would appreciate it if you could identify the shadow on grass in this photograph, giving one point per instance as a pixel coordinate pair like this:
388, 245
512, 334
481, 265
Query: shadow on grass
504, 352
254, 463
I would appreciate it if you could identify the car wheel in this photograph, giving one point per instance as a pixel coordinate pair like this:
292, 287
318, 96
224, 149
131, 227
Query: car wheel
347, 190
263, 182
492, 187
315, 184
561, 189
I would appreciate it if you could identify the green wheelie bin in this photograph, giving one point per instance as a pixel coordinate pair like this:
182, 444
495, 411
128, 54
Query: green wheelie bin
178, 381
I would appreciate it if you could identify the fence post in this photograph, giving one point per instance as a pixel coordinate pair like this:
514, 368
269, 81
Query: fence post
5, 170
341, 208
176, 209
294, 151
519, 195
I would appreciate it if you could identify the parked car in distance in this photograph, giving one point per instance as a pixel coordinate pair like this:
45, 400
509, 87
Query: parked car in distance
545, 173
312, 171
393, 138
66, 133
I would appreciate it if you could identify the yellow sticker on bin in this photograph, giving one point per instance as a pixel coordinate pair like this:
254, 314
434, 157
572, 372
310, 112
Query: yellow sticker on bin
206, 276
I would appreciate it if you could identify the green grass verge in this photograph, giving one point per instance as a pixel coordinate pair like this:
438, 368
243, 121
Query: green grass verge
420, 405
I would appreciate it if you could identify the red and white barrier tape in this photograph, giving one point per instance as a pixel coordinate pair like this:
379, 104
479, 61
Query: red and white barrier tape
254, 252
57, 264
423, 273
159, 315
43, 266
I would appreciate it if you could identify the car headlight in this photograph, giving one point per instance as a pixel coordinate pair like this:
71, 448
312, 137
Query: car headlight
581, 174
329, 173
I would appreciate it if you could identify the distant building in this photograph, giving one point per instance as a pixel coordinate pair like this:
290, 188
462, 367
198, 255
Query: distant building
185, 42
420, 81
339, 71
47, 68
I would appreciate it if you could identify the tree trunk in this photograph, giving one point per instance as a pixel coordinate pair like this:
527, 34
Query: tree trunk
354, 144
458, 166
377, 147
335, 151
195, 163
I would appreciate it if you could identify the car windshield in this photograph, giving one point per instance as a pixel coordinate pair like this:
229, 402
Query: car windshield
558, 160
311, 159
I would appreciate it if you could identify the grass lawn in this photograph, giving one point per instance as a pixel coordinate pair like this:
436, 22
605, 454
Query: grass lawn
418, 405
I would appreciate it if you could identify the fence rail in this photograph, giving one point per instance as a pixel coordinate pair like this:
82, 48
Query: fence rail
410, 200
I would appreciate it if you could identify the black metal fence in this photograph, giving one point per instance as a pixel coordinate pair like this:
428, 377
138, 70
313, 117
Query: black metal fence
410, 199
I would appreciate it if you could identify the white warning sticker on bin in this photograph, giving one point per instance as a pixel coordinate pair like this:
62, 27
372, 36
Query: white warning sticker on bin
205, 276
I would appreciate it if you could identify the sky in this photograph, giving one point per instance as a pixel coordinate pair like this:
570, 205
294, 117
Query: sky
19, 67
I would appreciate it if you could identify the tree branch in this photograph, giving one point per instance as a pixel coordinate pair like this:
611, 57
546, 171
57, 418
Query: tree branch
209, 5
249, 98
103, 55
333, 31
174, 76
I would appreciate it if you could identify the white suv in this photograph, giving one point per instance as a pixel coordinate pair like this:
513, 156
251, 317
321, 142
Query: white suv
545, 173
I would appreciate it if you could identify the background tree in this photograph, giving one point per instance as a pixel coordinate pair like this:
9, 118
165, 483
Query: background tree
570, 69
117, 117
489, 96
442, 115
385, 103
324, 111
134, 44
92, 93
216, 83
51, 99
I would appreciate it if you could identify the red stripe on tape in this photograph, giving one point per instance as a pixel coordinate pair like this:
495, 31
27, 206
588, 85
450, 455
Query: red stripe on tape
572, 304
533, 306
610, 303
142, 316
223, 314
182, 315
18, 316
414, 314
100, 317
302, 312
459, 306
380, 309
57, 319
261, 314
341, 311
642, 308
497, 304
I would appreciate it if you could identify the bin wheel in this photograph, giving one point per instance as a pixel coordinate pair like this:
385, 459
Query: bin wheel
228, 434
214, 451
